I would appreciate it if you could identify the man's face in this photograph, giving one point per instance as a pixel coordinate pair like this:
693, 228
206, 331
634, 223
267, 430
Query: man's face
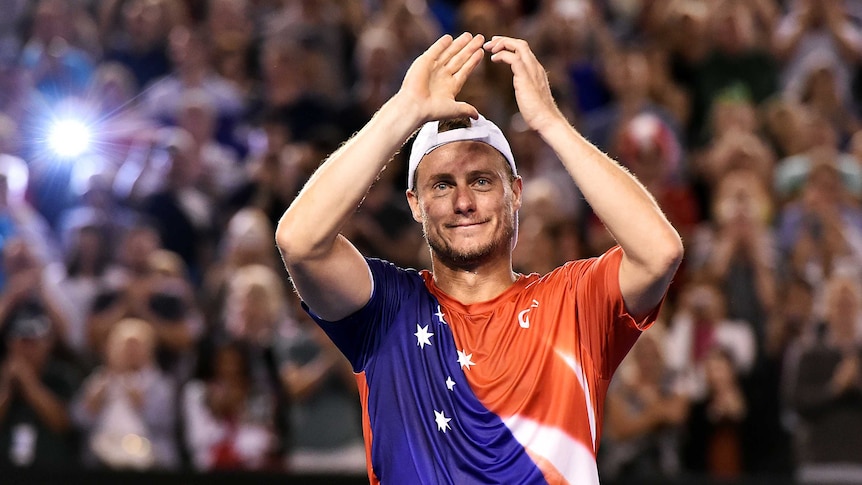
466, 201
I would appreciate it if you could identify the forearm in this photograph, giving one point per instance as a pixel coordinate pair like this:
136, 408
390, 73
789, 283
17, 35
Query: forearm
625, 207
302, 381
624, 424
57, 315
310, 225
721, 257
5, 400
785, 43
846, 40
173, 334
50, 410
764, 279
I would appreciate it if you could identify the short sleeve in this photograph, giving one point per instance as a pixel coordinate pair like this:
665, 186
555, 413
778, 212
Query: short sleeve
360, 334
602, 317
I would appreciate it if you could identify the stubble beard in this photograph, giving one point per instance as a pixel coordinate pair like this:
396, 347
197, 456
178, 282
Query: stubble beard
470, 259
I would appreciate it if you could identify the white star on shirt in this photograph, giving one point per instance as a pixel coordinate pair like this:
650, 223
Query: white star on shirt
465, 359
423, 336
442, 421
450, 383
440, 315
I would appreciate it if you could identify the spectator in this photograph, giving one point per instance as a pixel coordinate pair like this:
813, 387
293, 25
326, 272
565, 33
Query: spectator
627, 72
235, 51
698, 325
80, 279
815, 31
738, 61
823, 147
138, 43
18, 218
28, 286
646, 413
714, 444
185, 214
819, 231
153, 286
247, 241
35, 390
59, 68
826, 391
192, 68
126, 407
219, 170
325, 432
739, 251
274, 171
227, 420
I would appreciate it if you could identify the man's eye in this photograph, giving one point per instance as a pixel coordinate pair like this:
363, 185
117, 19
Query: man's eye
483, 182
441, 186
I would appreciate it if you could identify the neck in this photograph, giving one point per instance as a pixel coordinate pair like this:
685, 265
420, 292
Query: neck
475, 284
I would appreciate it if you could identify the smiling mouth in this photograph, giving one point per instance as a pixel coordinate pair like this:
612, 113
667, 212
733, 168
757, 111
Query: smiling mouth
465, 225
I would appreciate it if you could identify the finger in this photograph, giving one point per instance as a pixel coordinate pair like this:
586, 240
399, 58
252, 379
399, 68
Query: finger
439, 46
457, 44
466, 53
499, 43
466, 109
467, 67
510, 58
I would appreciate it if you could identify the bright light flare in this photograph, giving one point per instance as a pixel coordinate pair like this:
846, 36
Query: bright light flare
69, 138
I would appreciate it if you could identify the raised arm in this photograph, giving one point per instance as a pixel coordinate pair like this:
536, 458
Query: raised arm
652, 248
326, 269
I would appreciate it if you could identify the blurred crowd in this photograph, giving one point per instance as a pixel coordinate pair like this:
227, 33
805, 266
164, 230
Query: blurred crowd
146, 321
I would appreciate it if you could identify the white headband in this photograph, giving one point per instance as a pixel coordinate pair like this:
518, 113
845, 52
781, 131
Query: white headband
481, 130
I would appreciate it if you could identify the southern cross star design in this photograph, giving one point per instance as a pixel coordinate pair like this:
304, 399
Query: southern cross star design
450, 384
423, 336
442, 421
465, 359
440, 315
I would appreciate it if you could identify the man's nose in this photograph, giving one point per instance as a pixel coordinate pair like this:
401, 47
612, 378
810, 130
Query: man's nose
465, 201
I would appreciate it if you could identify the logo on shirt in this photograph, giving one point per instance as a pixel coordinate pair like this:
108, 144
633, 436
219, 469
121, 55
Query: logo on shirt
524, 317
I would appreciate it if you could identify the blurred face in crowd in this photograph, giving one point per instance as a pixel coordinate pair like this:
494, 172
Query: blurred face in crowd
230, 365
187, 49
130, 350
466, 200
255, 303
51, 20
144, 21
35, 351
628, 75
137, 247
704, 301
823, 186
733, 27
18, 257
741, 198
198, 117
719, 370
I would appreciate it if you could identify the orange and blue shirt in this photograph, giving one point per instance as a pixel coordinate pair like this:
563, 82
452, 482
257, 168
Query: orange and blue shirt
509, 390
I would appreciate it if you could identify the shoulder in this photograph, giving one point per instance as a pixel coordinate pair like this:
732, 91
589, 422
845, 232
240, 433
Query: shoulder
610, 259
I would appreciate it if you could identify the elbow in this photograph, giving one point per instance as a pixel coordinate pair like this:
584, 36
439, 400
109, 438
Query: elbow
293, 242
299, 239
675, 252
667, 254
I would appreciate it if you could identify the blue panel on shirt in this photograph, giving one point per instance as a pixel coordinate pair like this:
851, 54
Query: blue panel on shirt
407, 391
